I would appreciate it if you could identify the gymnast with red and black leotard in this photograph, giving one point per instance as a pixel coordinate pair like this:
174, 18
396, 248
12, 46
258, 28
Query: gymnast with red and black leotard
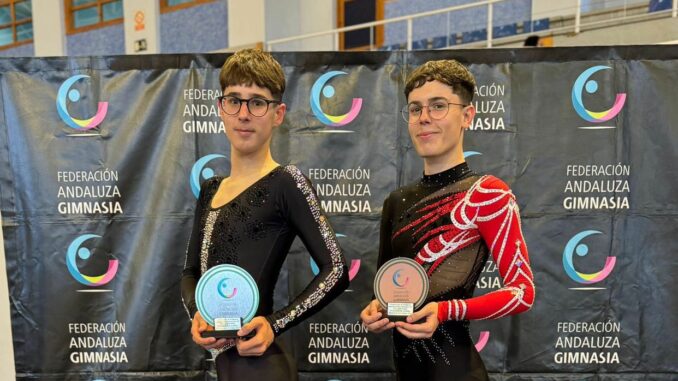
450, 221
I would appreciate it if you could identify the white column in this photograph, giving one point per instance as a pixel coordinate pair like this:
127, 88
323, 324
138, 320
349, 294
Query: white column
49, 29
246, 22
6, 347
142, 26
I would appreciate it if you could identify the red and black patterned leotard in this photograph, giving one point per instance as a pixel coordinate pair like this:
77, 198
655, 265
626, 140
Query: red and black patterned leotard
450, 223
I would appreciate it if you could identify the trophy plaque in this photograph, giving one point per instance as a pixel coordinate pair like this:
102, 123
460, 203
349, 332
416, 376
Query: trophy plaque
227, 297
401, 286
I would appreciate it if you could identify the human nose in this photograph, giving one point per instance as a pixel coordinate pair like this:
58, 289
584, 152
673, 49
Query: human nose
425, 116
244, 111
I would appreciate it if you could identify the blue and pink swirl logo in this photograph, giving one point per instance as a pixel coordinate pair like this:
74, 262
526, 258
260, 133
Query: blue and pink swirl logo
397, 279
321, 86
574, 245
591, 86
66, 91
352, 270
75, 250
222, 289
201, 172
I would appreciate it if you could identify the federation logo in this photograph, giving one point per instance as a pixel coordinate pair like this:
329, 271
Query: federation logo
321, 86
584, 82
483, 338
201, 172
66, 91
396, 279
222, 289
468, 154
352, 270
75, 250
574, 245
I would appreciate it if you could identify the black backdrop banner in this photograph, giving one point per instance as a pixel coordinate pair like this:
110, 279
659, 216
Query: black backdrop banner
101, 160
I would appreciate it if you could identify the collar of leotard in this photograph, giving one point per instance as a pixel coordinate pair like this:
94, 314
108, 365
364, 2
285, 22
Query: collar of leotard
448, 176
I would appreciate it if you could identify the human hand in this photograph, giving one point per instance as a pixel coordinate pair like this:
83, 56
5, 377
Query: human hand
371, 317
413, 330
257, 345
199, 326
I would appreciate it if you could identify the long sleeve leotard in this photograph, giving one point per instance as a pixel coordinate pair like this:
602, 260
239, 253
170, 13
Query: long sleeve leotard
255, 231
450, 223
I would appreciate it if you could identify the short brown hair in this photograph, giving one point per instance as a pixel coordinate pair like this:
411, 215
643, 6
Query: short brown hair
449, 72
253, 66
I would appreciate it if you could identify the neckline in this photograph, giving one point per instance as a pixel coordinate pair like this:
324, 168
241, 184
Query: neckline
447, 176
269, 173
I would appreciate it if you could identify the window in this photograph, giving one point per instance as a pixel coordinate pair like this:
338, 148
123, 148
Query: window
82, 15
173, 5
16, 23
354, 12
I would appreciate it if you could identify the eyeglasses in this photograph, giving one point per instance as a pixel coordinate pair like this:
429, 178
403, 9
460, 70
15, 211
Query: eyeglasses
436, 110
256, 106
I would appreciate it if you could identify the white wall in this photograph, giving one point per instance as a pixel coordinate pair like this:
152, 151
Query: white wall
295, 17
641, 33
554, 8
550, 8
246, 22
142, 25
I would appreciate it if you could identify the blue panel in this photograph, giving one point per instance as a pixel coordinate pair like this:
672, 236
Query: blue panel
420, 44
527, 26
659, 5
476, 35
541, 24
466, 20
452, 40
439, 42
504, 30
392, 47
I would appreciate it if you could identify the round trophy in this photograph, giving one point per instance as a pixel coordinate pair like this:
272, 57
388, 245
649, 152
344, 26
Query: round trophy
401, 286
227, 297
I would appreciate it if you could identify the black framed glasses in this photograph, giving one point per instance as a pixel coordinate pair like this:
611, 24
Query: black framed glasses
436, 110
255, 106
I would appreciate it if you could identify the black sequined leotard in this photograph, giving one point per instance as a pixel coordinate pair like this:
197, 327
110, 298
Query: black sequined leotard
255, 231
450, 223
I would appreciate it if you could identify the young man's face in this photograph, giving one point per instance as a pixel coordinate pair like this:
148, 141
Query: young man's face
248, 133
439, 139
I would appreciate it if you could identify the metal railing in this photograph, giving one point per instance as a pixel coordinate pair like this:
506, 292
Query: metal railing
409, 20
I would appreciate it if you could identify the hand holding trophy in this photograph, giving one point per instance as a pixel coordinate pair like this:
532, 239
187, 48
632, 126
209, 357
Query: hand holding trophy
401, 286
227, 297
